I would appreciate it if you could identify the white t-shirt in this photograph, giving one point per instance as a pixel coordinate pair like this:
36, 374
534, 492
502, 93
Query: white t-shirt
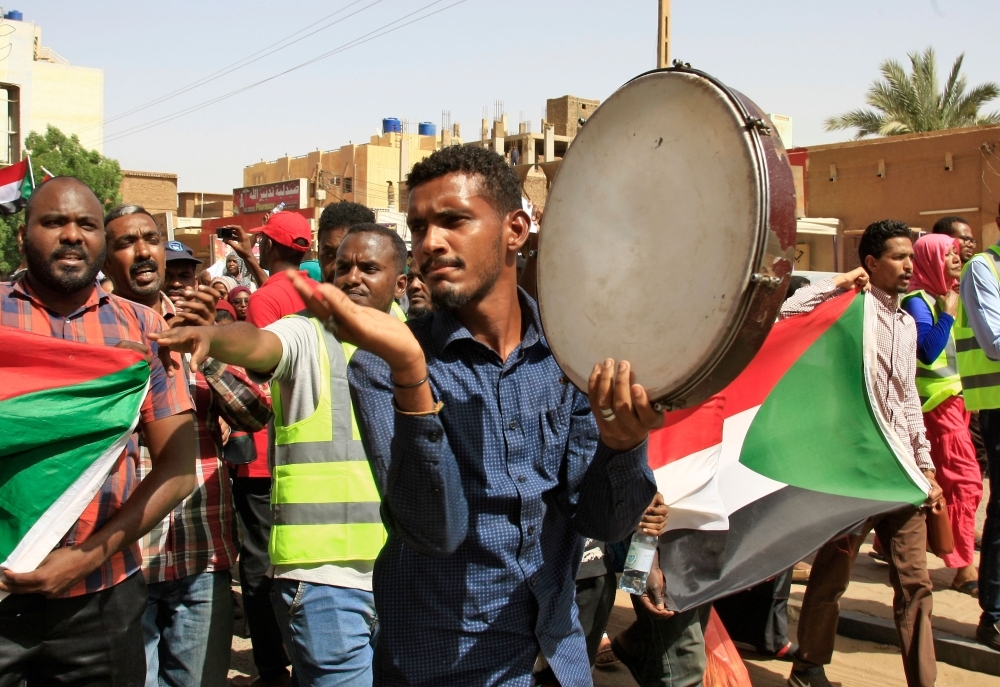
299, 375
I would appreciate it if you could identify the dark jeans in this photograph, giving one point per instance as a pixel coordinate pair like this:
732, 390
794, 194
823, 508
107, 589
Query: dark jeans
759, 615
253, 506
667, 652
595, 597
989, 554
94, 639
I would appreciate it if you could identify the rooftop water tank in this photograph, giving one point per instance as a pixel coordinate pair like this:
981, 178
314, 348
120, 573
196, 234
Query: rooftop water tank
14, 14
390, 125
427, 129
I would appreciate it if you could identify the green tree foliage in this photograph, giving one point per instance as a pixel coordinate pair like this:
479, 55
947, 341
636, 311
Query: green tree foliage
62, 155
909, 103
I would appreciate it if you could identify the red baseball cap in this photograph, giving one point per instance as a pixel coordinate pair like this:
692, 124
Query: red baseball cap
289, 229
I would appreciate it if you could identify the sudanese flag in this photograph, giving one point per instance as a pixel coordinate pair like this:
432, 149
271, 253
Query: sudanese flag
16, 185
793, 452
67, 411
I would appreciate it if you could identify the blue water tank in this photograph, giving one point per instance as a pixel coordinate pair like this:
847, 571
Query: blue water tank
390, 125
14, 14
427, 129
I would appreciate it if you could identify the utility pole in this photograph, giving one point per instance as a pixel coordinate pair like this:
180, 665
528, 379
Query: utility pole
663, 35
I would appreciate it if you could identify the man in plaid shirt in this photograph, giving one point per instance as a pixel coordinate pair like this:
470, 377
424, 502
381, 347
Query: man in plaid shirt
76, 619
187, 557
887, 257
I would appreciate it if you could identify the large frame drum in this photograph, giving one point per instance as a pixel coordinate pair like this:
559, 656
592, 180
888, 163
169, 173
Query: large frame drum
668, 237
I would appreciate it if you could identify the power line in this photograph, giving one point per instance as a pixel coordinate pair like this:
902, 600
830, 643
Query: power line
235, 66
372, 35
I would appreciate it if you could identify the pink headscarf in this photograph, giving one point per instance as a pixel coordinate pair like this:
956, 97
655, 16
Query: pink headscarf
929, 269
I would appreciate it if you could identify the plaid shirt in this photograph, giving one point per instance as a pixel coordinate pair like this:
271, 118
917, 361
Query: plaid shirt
895, 378
200, 534
104, 320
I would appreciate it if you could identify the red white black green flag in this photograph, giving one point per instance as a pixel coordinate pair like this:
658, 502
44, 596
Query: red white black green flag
67, 410
795, 451
16, 185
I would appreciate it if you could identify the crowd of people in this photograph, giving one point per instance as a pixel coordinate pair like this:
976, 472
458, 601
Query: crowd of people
413, 492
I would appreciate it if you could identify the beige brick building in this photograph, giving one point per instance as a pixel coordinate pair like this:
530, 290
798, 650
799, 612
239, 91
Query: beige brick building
155, 191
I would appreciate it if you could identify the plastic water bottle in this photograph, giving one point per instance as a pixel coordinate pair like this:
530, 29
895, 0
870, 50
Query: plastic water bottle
638, 563
277, 208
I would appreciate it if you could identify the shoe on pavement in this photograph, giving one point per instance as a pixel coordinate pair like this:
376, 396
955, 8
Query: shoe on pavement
283, 680
814, 676
988, 635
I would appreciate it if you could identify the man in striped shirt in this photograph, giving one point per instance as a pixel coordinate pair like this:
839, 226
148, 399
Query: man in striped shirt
187, 557
78, 615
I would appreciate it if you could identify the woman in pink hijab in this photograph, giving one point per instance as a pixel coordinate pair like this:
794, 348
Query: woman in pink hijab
933, 303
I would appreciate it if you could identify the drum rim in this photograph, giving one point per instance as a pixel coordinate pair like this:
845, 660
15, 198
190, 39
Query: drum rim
677, 397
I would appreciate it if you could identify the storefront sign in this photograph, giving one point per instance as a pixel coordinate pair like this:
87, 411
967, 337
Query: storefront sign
263, 198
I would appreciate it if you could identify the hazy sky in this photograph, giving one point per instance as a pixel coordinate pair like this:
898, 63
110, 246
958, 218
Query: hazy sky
805, 59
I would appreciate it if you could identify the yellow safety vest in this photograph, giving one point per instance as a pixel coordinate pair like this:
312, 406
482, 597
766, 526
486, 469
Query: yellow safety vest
980, 375
324, 499
940, 379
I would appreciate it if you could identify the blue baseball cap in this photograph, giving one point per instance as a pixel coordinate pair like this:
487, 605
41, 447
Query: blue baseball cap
177, 251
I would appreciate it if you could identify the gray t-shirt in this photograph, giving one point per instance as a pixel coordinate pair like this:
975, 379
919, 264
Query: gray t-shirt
298, 374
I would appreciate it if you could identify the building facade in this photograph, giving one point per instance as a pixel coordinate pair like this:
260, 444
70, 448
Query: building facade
39, 88
914, 178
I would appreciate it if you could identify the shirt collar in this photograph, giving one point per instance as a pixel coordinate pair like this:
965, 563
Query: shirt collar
166, 305
889, 300
20, 289
446, 328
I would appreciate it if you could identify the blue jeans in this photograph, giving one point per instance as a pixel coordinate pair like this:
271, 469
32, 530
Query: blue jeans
330, 632
188, 630
989, 554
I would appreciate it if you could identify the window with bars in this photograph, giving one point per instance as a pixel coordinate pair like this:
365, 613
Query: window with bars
10, 108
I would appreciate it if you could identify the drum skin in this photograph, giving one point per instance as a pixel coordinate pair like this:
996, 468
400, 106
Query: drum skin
668, 238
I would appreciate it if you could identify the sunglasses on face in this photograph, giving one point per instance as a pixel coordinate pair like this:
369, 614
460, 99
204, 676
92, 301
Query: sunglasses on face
241, 301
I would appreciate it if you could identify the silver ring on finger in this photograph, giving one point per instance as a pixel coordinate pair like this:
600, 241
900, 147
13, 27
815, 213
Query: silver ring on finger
607, 414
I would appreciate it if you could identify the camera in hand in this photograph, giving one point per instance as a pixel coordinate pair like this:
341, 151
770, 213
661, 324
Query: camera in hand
226, 233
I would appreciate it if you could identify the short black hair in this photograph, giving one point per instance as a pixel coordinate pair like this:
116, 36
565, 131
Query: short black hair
29, 206
221, 315
398, 245
873, 240
124, 210
796, 282
500, 183
945, 224
343, 214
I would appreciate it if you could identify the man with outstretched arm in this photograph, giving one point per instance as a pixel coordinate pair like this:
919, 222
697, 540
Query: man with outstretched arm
327, 529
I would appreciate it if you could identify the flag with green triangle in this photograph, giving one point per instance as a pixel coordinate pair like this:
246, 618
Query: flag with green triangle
796, 450
16, 185
67, 411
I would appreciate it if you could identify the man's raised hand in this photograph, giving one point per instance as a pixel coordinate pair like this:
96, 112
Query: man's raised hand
194, 340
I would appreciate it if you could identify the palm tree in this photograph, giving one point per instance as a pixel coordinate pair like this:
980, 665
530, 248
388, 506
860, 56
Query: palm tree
906, 104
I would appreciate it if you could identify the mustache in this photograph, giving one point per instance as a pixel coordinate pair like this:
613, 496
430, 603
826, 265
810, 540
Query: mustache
69, 252
435, 263
149, 262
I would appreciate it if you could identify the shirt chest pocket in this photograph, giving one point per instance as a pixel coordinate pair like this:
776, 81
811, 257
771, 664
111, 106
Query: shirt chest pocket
555, 423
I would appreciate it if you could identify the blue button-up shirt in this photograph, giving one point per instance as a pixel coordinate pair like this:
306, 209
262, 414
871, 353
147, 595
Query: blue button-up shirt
981, 300
485, 505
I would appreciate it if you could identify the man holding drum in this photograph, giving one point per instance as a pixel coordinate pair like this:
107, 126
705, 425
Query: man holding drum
492, 467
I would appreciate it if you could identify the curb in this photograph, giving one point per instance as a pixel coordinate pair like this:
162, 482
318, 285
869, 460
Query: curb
956, 651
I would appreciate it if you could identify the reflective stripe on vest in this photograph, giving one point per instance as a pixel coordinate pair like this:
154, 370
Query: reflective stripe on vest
980, 374
323, 496
939, 380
